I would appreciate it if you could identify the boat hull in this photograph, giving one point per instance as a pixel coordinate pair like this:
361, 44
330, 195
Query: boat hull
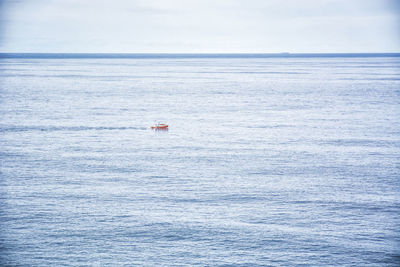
160, 127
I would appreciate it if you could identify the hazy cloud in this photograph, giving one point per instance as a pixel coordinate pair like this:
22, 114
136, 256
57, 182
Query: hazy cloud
200, 26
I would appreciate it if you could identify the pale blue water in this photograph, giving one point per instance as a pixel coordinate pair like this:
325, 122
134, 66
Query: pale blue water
267, 162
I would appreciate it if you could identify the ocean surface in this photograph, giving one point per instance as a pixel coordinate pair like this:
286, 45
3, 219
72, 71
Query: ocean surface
268, 161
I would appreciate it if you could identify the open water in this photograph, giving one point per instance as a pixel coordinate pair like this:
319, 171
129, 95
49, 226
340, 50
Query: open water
268, 161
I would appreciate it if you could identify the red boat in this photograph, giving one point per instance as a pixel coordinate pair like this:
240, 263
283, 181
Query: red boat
160, 126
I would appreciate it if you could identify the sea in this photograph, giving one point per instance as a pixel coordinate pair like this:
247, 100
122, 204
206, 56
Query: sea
269, 160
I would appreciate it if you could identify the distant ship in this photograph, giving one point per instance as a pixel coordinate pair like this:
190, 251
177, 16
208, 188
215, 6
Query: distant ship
160, 126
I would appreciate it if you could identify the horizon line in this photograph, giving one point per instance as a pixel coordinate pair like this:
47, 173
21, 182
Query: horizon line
187, 55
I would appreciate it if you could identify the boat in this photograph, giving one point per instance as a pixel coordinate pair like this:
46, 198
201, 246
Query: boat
160, 126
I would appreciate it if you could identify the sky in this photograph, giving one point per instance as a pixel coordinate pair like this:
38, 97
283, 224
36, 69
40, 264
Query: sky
200, 26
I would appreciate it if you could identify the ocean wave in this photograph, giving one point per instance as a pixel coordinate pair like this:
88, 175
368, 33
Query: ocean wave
21, 128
